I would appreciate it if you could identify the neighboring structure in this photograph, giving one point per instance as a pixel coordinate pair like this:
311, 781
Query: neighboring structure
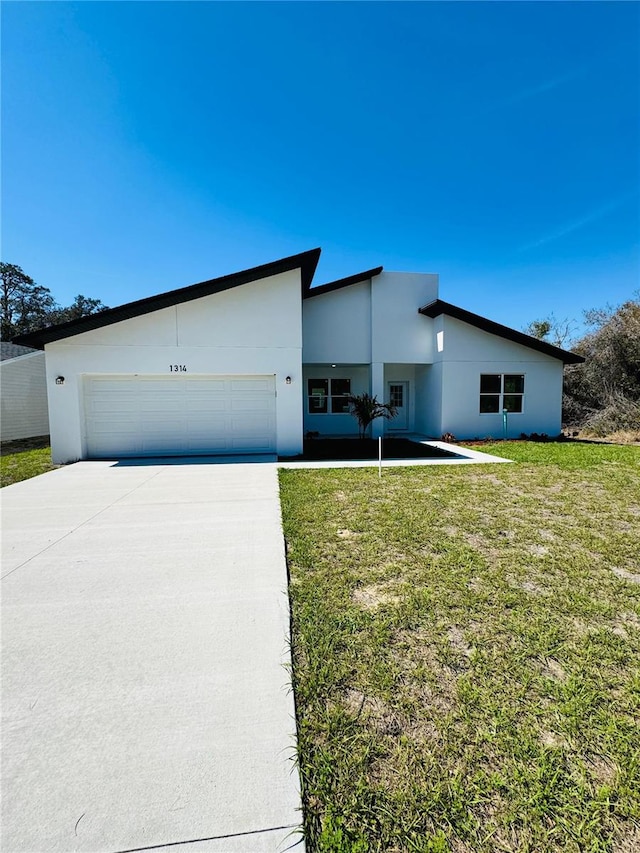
250, 362
23, 392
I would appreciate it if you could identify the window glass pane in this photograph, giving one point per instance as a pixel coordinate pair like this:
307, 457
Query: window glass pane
513, 402
396, 395
490, 383
318, 387
340, 387
489, 404
339, 405
513, 384
318, 392
318, 405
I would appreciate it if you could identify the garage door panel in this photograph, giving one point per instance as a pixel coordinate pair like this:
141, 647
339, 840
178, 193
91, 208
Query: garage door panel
144, 415
108, 386
113, 428
103, 406
206, 405
244, 445
158, 386
265, 385
118, 445
217, 445
207, 386
252, 425
241, 404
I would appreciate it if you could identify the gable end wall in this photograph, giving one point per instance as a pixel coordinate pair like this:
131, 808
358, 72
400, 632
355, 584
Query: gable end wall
253, 329
469, 352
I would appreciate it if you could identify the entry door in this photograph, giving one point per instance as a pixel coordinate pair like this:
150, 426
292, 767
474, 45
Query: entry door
399, 397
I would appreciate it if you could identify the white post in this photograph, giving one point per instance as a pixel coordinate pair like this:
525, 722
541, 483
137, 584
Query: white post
377, 390
380, 456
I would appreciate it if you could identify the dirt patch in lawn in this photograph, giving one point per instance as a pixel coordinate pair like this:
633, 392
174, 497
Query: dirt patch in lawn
21, 444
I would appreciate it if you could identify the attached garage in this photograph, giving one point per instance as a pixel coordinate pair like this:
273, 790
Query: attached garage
178, 416
210, 369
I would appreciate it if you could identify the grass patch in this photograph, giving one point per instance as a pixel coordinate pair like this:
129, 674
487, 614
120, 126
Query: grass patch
21, 460
466, 644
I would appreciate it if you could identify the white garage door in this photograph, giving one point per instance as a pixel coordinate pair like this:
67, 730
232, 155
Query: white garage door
175, 416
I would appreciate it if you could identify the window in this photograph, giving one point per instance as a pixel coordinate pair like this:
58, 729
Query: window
396, 395
500, 391
328, 396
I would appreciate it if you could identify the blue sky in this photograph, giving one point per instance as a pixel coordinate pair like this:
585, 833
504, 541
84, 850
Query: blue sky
150, 145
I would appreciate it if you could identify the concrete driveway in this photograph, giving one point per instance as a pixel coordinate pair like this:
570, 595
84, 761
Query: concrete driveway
146, 701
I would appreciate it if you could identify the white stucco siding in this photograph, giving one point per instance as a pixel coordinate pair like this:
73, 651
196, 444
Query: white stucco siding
399, 333
428, 395
260, 314
257, 332
463, 342
468, 353
336, 326
23, 394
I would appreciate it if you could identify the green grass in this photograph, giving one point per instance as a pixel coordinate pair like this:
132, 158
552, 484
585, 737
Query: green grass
466, 644
23, 464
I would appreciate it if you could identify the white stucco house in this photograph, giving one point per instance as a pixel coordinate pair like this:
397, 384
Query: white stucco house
23, 393
250, 362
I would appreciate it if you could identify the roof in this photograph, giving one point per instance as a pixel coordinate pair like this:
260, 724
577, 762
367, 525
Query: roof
340, 283
438, 307
9, 350
306, 262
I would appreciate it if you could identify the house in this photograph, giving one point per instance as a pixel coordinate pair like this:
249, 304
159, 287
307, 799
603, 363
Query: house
23, 392
250, 362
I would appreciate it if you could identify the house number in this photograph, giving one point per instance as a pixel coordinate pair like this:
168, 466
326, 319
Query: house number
177, 368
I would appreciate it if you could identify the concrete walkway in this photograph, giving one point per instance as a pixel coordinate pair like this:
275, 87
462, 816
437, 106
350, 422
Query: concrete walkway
146, 703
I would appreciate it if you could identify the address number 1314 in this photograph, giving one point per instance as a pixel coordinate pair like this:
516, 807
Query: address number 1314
177, 368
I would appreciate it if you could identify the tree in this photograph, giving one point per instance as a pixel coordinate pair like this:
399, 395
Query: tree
26, 306
82, 306
553, 331
367, 409
603, 394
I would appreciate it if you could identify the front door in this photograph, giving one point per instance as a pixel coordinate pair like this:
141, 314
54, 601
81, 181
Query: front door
398, 396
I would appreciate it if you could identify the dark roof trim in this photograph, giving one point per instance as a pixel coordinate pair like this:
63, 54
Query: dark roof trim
340, 283
306, 262
438, 307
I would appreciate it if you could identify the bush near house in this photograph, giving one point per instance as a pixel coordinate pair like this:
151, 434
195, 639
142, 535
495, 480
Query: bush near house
466, 644
601, 396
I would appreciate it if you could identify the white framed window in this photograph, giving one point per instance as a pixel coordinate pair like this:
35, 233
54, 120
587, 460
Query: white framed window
328, 396
499, 391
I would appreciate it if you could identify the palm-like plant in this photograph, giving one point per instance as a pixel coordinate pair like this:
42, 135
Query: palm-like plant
366, 409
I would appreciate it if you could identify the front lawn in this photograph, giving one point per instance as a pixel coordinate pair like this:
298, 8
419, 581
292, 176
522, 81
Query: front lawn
466, 644
21, 460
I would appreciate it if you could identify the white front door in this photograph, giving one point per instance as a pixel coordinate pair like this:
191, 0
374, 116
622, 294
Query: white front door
398, 396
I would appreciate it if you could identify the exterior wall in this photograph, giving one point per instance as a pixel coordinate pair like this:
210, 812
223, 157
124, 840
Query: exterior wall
399, 334
24, 397
336, 326
469, 352
338, 424
428, 396
252, 329
374, 321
